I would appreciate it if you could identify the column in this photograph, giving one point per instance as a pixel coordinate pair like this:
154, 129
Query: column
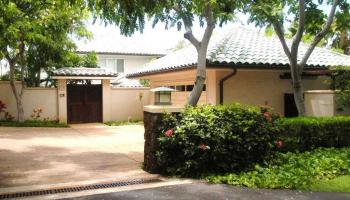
62, 100
211, 87
106, 101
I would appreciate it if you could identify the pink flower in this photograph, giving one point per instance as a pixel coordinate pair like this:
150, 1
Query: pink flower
202, 147
169, 132
267, 116
279, 144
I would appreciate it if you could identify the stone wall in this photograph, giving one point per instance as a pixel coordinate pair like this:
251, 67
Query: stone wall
151, 123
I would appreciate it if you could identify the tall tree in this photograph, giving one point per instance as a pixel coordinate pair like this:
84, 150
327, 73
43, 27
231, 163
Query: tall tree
340, 33
306, 12
130, 16
27, 26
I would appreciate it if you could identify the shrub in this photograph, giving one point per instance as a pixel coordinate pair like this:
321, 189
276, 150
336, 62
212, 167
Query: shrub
215, 139
292, 170
306, 133
341, 83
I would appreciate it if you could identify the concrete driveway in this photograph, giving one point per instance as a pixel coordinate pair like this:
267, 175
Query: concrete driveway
42, 156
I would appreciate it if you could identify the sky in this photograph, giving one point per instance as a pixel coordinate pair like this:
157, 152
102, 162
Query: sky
157, 39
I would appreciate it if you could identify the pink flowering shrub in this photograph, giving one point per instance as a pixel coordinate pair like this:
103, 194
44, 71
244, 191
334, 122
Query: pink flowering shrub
207, 139
169, 132
2, 106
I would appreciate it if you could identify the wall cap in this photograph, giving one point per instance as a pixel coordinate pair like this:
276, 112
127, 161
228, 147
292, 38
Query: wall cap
130, 88
162, 109
319, 92
8, 82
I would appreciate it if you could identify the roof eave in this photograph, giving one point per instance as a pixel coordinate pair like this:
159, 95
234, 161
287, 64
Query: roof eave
121, 53
224, 65
84, 77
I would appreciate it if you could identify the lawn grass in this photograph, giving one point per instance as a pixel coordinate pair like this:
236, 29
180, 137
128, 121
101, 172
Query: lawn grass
33, 123
124, 123
338, 184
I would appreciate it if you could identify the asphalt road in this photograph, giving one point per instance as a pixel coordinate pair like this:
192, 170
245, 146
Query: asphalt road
202, 191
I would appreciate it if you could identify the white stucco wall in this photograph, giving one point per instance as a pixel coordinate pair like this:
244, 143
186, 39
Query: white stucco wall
125, 103
258, 87
250, 87
44, 98
122, 103
320, 103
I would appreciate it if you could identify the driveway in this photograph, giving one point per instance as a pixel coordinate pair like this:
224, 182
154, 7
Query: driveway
41, 156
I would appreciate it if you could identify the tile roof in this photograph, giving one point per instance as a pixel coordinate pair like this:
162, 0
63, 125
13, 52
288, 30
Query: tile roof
123, 82
128, 53
241, 46
82, 71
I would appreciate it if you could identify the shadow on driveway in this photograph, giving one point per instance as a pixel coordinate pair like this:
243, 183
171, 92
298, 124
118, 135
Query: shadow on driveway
40, 156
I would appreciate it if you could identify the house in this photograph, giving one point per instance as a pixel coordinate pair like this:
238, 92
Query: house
243, 65
123, 62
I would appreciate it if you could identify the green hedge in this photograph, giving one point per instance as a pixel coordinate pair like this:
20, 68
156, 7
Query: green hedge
306, 133
208, 139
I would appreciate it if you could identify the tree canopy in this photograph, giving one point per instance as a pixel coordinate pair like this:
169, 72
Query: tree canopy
36, 34
130, 17
308, 18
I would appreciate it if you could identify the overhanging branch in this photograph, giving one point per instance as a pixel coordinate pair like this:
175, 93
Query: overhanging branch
188, 27
299, 34
280, 34
209, 18
320, 35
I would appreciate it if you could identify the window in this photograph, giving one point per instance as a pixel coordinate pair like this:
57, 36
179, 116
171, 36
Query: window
180, 88
120, 65
114, 65
189, 88
102, 63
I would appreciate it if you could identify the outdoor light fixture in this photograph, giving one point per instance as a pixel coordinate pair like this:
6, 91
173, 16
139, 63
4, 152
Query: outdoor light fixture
162, 95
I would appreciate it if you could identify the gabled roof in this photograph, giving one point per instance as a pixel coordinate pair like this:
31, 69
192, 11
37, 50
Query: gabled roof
123, 82
241, 46
83, 72
127, 53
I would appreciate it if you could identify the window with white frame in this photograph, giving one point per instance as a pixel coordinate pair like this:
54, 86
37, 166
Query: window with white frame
112, 64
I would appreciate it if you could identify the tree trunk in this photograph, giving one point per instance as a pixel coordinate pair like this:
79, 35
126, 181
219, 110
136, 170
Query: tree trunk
200, 78
298, 90
18, 96
299, 97
38, 78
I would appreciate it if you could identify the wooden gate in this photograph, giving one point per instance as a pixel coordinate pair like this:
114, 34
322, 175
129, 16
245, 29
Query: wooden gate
84, 103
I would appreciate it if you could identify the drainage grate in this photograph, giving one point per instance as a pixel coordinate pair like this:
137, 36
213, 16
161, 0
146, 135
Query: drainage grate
77, 188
